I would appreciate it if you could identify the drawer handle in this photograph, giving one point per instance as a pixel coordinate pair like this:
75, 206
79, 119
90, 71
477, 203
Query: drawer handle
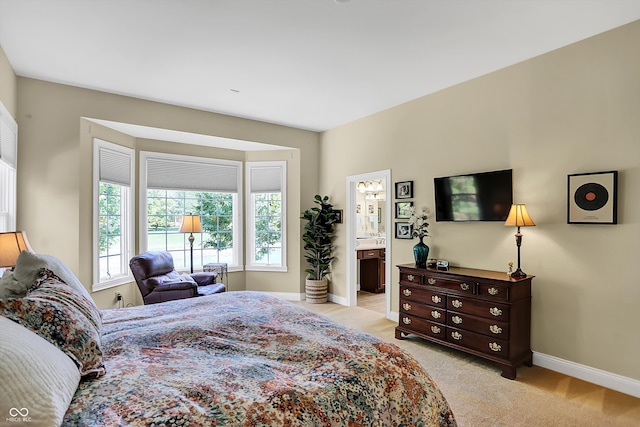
456, 335
435, 314
464, 286
457, 303
407, 292
406, 320
494, 346
435, 329
431, 281
410, 277
406, 306
493, 291
495, 311
495, 329
457, 320
371, 253
436, 299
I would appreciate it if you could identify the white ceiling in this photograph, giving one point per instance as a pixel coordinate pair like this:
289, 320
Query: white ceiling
310, 64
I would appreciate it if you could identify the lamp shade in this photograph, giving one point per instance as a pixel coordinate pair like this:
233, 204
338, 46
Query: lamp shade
519, 217
191, 224
11, 244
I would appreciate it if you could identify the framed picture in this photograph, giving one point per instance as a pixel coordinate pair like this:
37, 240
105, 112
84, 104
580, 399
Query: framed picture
403, 209
379, 215
403, 230
592, 198
338, 213
404, 190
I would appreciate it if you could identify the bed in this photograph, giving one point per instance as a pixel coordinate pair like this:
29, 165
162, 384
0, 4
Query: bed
234, 359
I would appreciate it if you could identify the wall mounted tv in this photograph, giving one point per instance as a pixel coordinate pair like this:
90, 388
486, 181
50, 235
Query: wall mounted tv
485, 196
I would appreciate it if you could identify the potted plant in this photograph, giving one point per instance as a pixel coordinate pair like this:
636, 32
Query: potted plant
318, 236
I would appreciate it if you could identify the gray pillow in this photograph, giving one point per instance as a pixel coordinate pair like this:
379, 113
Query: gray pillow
29, 265
10, 287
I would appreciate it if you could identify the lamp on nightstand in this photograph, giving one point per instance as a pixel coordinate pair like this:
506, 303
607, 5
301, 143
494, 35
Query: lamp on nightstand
191, 224
11, 244
519, 217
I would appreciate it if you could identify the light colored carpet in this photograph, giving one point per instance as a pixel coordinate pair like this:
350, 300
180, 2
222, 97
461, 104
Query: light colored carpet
480, 396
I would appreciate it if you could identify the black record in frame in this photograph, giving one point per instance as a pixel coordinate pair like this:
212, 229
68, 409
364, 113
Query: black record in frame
592, 198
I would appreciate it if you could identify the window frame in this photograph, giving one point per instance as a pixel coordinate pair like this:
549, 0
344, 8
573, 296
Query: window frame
250, 265
8, 170
144, 156
127, 217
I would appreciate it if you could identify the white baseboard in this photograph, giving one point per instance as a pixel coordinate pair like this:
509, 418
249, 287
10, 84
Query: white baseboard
287, 296
602, 378
337, 299
596, 376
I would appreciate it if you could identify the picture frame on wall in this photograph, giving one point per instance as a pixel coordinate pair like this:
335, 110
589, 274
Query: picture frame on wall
404, 190
592, 198
404, 230
403, 210
338, 213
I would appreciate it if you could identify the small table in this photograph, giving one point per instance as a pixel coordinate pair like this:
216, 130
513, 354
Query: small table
218, 267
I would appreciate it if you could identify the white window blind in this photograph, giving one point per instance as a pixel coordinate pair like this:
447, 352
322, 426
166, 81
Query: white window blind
8, 138
192, 175
266, 179
115, 167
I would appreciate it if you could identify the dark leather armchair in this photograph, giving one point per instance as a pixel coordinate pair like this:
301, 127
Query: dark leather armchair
158, 280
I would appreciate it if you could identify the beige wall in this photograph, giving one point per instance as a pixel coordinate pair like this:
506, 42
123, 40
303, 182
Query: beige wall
573, 110
54, 170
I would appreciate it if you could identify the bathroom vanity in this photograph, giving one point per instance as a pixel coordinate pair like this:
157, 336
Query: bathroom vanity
371, 258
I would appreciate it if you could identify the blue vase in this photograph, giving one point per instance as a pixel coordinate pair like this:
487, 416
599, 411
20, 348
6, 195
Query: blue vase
420, 254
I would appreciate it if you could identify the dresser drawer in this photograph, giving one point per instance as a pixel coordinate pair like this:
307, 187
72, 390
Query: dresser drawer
413, 294
408, 277
488, 309
425, 311
422, 326
490, 327
482, 343
494, 292
461, 286
371, 253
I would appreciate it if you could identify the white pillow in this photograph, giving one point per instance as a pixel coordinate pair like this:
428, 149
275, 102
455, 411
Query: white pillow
37, 380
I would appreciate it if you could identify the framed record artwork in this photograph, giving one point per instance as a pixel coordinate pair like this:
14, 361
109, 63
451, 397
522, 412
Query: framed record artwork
592, 198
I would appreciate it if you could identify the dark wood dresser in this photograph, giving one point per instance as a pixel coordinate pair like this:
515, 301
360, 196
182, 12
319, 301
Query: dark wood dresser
481, 312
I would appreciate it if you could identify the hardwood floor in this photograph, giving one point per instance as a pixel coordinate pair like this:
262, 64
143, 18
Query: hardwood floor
373, 302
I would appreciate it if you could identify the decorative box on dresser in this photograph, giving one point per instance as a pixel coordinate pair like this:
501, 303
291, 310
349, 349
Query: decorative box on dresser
481, 312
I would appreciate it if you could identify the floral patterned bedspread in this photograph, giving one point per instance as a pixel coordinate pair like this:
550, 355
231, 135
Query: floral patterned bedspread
250, 359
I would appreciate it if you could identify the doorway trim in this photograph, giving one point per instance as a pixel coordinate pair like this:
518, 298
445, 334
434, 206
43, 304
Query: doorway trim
352, 282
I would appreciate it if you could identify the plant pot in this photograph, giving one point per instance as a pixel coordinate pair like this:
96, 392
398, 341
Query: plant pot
316, 291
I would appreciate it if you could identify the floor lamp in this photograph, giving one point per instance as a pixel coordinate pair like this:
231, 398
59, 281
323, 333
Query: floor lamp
519, 217
191, 224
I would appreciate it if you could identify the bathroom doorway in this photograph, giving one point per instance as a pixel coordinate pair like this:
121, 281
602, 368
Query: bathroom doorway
368, 220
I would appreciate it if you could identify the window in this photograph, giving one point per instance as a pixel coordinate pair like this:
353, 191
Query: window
113, 227
178, 185
8, 170
165, 209
266, 216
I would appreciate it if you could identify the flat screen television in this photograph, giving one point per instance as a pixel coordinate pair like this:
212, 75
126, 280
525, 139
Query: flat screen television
485, 196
